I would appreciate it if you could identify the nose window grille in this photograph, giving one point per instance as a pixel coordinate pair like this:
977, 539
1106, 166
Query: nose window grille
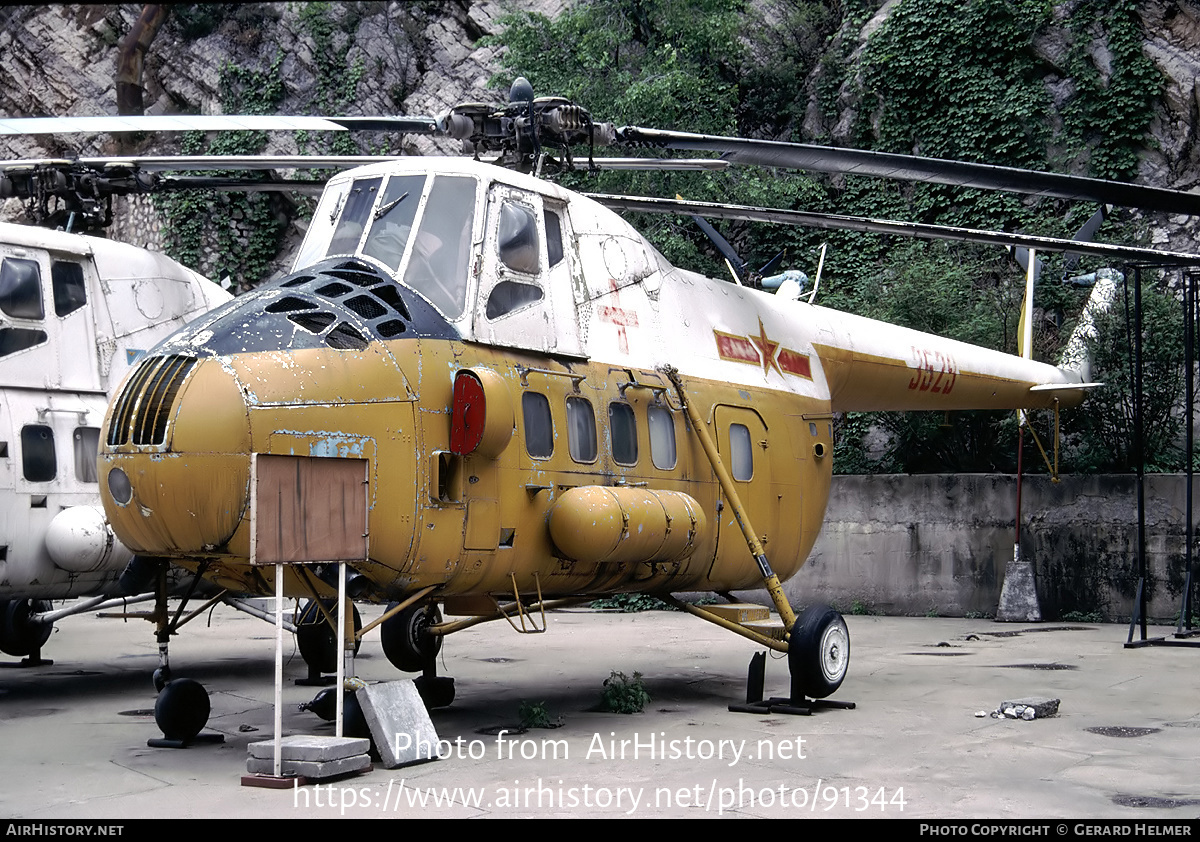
141, 412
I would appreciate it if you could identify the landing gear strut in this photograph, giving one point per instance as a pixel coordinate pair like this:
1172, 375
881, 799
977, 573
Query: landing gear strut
410, 647
319, 646
182, 707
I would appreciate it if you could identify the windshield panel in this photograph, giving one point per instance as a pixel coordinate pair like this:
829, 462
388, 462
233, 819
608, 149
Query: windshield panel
353, 220
440, 258
392, 221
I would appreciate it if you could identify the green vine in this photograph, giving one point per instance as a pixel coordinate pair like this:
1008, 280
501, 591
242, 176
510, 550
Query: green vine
245, 228
1109, 117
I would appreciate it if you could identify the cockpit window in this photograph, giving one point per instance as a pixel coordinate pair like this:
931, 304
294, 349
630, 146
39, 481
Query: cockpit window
554, 244
21, 288
353, 219
440, 256
518, 238
392, 220
70, 293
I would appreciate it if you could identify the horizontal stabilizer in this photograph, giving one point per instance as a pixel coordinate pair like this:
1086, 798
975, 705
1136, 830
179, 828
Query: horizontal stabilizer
1063, 387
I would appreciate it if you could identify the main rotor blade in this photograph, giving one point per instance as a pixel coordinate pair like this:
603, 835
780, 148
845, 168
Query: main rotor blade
1124, 254
770, 153
173, 163
211, 123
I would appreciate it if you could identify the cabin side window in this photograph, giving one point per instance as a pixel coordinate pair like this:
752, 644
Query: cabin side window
21, 288
520, 251
662, 437
37, 453
87, 440
70, 292
581, 429
539, 426
622, 425
741, 455
518, 238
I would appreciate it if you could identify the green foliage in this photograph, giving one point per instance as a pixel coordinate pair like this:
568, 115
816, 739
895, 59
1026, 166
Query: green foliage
1083, 617
623, 694
1111, 112
631, 603
337, 83
194, 217
535, 715
1100, 433
939, 94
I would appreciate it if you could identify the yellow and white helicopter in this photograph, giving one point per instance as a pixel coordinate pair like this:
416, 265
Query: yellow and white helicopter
488, 395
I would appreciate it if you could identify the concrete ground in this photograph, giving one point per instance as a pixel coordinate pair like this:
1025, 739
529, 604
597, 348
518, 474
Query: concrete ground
73, 735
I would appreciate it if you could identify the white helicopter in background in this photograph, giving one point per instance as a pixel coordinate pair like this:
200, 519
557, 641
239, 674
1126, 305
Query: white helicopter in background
75, 313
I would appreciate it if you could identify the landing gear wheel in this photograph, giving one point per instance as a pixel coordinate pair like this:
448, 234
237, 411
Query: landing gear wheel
406, 643
819, 651
317, 643
182, 709
18, 635
161, 678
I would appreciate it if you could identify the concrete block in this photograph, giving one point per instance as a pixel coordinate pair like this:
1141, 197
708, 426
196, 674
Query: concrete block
311, 748
313, 770
400, 725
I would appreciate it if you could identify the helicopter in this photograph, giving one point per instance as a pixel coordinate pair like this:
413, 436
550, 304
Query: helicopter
76, 312
484, 395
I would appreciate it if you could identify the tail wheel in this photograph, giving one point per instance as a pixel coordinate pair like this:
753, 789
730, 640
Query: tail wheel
316, 640
19, 636
820, 649
406, 643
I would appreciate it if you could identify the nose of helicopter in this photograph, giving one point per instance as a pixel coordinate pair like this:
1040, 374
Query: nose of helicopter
174, 462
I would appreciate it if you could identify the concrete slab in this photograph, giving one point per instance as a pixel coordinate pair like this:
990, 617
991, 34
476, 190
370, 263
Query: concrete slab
315, 770
310, 747
403, 732
1123, 744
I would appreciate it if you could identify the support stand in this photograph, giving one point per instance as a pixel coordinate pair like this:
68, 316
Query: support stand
797, 704
1138, 618
33, 659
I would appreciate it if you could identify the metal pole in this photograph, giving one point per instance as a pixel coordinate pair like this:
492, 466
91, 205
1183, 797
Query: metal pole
1189, 343
278, 763
341, 643
1139, 441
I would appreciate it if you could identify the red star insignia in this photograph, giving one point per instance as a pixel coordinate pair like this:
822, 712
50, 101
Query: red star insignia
767, 348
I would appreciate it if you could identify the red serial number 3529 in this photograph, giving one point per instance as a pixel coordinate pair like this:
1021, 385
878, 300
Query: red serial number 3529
936, 372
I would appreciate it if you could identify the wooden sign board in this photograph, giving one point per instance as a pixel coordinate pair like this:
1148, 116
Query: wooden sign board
308, 509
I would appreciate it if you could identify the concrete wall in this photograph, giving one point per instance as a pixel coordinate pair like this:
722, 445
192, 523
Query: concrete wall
940, 543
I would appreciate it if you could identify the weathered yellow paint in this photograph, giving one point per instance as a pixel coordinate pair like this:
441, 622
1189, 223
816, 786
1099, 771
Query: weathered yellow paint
467, 524
602, 524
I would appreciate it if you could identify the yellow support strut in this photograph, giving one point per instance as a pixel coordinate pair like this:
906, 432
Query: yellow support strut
773, 585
